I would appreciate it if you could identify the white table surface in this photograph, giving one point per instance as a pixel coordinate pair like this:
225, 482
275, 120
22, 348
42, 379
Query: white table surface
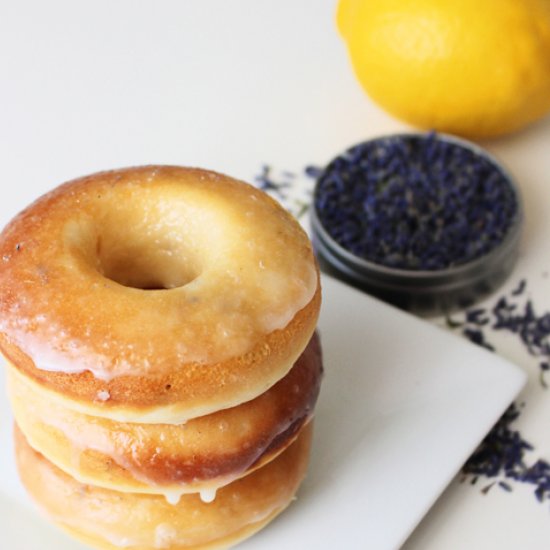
229, 85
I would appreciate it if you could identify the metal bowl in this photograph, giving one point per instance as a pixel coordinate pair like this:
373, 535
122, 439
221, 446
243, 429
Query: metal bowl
426, 293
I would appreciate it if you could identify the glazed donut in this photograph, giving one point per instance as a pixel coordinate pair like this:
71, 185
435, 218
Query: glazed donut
158, 325
155, 294
199, 456
107, 519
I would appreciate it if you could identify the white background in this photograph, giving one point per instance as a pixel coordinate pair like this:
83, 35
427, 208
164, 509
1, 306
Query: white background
229, 85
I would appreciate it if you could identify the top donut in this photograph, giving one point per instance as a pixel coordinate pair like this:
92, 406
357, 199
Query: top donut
156, 294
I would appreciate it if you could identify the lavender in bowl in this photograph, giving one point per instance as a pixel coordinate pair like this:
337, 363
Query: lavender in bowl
425, 221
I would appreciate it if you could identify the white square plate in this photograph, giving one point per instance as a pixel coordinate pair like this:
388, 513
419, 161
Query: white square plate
403, 405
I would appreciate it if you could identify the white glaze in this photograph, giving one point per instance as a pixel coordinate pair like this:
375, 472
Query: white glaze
208, 495
103, 395
172, 497
121, 446
250, 266
120, 541
165, 535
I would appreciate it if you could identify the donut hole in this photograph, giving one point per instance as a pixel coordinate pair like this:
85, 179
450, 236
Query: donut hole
146, 265
150, 241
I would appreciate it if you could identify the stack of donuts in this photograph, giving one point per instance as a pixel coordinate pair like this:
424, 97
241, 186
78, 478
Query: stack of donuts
158, 325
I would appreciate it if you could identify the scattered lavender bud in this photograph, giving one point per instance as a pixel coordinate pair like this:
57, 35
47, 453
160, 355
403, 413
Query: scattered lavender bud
313, 171
477, 337
520, 288
267, 183
503, 453
506, 486
477, 317
516, 316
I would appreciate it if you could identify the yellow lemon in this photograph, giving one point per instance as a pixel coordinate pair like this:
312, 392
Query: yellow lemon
477, 68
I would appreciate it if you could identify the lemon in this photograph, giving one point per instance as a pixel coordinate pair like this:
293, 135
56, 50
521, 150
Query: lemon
477, 68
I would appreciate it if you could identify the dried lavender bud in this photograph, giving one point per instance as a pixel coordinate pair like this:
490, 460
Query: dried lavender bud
532, 329
510, 315
503, 454
269, 184
416, 203
506, 486
477, 317
313, 171
281, 185
520, 288
477, 337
